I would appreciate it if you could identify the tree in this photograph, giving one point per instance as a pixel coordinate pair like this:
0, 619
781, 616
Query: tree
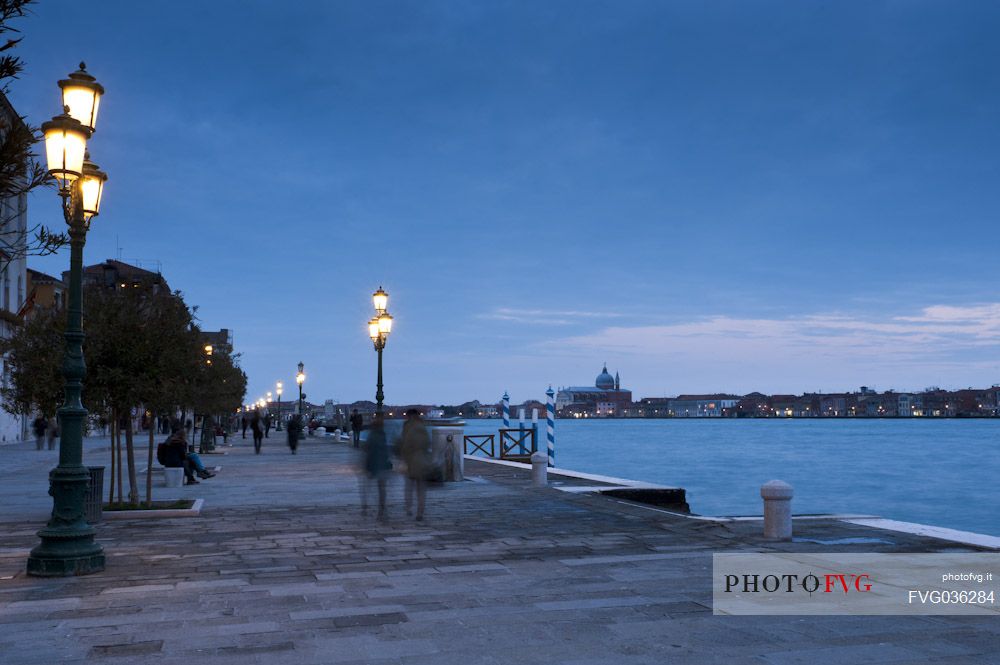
36, 381
174, 349
143, 351
20, 172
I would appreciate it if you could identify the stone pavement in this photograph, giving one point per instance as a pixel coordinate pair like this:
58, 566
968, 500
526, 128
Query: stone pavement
283, 568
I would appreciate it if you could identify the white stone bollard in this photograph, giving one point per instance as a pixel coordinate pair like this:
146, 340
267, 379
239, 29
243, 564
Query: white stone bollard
540, 469
777, 495
173, 476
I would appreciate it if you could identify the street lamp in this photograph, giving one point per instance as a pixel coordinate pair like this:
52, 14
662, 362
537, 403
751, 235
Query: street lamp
278, 390
379, 327
67, 544
208, 354
380, 299
300, 378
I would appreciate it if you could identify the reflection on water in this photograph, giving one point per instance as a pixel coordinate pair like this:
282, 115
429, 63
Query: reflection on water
940, 472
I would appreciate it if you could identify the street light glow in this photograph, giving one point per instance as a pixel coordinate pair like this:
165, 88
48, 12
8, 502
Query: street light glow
65, 147
81, 95
381, 300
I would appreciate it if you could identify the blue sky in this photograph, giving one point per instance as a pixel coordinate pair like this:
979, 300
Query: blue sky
722, 196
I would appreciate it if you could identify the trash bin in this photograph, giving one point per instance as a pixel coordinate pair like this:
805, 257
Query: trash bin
93, 507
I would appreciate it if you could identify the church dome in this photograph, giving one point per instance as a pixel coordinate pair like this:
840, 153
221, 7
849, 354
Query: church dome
604, 380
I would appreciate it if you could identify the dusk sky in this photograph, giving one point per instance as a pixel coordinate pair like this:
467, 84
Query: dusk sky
720, 196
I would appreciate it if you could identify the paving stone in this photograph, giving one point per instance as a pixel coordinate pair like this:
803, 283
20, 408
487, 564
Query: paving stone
281, 568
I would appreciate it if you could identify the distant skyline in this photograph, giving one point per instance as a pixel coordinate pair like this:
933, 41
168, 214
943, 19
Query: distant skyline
710, 197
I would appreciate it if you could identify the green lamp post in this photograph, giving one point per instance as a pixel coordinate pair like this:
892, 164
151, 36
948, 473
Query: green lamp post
379, 328
300, 378
278, 390
67, 544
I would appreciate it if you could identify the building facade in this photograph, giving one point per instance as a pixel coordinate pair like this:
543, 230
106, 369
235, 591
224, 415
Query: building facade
605, 399
13, 274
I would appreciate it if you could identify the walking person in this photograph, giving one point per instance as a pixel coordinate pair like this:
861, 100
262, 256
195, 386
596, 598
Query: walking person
294, 429
357, 424
258, 431
52, 433
415, 450
267, 426
243, 422
377, 467
39, 425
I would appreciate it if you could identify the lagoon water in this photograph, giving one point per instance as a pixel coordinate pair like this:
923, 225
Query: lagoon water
940, 472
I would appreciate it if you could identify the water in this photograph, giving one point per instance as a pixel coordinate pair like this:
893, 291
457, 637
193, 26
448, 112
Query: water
939, 472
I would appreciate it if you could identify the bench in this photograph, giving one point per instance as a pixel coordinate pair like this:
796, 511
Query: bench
169, 476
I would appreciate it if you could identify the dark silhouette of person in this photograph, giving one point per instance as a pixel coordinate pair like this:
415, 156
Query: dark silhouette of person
267, 426
258, 431
357, 424
243, 422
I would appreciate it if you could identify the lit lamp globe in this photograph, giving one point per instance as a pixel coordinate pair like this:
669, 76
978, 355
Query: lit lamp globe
300, 378
92, 189
381, 300
373, 329
81, 95
384, 324
65, 148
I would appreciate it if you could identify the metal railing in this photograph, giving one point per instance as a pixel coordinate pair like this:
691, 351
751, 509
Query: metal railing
478, 443
517, 445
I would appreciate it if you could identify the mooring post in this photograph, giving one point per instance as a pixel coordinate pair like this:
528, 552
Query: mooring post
539, 469
777, 496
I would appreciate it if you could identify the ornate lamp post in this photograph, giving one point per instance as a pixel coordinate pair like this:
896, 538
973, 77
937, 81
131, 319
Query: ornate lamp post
379, 328
67, 542
278, 391
300, 378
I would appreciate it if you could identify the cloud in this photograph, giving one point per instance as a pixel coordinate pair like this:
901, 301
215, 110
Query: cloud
938, 344
546, 317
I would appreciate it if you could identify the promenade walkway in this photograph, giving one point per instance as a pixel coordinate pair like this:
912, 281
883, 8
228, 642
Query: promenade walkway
281, 567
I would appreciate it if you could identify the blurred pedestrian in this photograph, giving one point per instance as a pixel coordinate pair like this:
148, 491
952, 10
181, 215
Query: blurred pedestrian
415, 449
294, 429
39, 425
377, 467
267, 426
243, 423
52, 433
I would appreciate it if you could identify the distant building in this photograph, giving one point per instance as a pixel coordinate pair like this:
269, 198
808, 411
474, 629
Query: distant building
702, 406
487, 411
221, 340
44, 292
114, 274
606, 398
833, 406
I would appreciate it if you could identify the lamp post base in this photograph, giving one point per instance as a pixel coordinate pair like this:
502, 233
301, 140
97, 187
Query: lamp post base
67, 546
65, 565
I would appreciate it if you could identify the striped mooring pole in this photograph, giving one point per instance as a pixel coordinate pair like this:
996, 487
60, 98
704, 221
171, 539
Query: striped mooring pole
550, 424
506, 410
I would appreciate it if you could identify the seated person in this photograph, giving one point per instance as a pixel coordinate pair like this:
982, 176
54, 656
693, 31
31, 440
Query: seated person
176, 455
